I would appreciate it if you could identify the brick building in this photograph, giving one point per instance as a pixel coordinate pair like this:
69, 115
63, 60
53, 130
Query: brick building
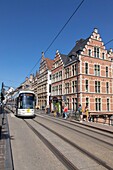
85, 76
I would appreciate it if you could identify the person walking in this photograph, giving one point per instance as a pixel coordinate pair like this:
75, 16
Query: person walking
80, 112
65, 112
87, 112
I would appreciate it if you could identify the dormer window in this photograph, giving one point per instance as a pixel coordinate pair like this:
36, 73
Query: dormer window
71, 57
56, 64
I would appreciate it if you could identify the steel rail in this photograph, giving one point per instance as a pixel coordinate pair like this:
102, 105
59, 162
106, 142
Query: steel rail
53, 149
85, 152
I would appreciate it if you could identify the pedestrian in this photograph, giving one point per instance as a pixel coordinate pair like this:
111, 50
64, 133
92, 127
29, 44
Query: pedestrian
87, 112
80, 112
65, 112
89, 117
63, 115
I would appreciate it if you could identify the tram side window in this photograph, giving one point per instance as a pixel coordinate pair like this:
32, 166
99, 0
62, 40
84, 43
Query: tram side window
16, 102
19, 103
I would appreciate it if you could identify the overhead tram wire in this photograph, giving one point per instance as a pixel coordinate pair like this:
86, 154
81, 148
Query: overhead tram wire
108, 42
57, 35
33, 67
105, 43
64, 26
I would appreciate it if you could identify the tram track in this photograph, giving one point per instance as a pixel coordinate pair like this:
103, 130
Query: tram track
59, 155
88, 134
78, 124
53, 149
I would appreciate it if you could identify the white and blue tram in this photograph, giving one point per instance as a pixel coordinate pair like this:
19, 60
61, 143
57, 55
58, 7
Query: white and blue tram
24, 102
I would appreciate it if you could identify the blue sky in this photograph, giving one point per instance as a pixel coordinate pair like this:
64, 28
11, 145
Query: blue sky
27, 27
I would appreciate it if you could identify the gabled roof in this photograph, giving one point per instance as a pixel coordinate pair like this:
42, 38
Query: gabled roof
63, 58
80, 44
72, 56
49, 63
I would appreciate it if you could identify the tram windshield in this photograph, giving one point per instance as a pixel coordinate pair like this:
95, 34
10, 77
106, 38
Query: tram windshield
26, 101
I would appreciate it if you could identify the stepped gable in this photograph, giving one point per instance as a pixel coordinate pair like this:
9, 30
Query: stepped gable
60, 59
49, 63
46, 62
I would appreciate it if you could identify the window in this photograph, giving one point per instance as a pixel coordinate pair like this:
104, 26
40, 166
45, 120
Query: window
53, 78
56, 76
74, 69
60, 89
67, 103
67, 73
86, 84
50, 88
86, 68
107, 104
97, 70
56, 64
53, 90
74, 86
106, 71
107, 87
74, 104
103, 56
60, 75
67, 88
87, 101
97, 86
96, 52
98, 104
50, 77
89, 52
56, 90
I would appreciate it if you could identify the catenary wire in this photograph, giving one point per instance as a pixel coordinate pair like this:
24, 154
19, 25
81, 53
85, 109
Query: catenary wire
64, 26
58, 34
40, 58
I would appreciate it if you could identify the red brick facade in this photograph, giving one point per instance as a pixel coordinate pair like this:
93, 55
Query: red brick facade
85, 76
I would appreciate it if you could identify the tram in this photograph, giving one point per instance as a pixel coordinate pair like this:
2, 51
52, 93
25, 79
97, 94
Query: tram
23, 103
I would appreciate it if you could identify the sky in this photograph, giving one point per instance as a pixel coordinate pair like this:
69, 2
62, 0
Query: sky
27, 28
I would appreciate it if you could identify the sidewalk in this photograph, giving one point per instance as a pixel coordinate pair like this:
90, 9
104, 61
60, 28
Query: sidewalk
2, 149
5, 149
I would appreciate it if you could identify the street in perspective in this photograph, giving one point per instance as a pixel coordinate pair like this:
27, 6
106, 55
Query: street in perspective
50, 142
56, 85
